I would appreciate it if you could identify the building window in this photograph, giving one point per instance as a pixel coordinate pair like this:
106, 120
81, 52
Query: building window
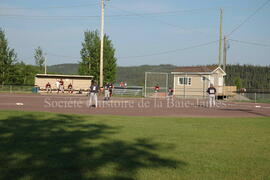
184, 81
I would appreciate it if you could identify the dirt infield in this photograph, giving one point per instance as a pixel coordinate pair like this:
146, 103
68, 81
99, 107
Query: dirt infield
131, 106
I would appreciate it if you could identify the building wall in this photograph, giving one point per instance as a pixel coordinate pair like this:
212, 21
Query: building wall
218, 81
195, 89
76, 82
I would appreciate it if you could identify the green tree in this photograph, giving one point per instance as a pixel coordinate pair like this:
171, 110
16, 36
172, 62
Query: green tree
90, 54
39, 58
7, 58
238, 82
23, 74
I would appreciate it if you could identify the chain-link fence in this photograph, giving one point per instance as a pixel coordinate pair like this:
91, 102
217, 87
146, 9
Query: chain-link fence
185, 85
131, 91
163, 81
16, 88
256, 97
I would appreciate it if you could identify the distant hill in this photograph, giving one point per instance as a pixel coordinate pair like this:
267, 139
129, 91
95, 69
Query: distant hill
254, 77
64, 68
134, 75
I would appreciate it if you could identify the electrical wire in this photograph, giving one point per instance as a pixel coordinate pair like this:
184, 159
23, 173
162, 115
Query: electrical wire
38, 16
249, 17
58, 55
169, 12
51, 7
250, 43
113, 15
171, 51
158, 20
145, 55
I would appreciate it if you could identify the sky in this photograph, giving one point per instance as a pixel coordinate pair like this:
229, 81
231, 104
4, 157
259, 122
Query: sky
178, 32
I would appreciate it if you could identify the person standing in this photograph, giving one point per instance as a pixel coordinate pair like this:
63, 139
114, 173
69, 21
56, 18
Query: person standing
170, 92
57, 84
93, 95
107, 92
122, 85
62, 85
212, 95
111, 89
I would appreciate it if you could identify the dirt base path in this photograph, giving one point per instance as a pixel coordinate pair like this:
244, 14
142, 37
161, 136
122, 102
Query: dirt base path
131, 106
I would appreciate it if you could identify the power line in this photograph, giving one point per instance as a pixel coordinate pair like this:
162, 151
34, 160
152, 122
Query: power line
64, 56
142, 15
171, 51
249, 17
67, 17
170, 12
250, 43
52, 7
113, 15
145, 55
38, 16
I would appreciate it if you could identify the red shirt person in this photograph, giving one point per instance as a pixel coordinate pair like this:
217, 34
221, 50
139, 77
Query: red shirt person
122, 85
170, 92
61, 85
70, 90
48, 87
157, 88
111, 89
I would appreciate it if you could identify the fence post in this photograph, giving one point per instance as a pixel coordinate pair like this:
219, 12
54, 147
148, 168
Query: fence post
145, 85
167, 76
203, 87
255, 97
185, 81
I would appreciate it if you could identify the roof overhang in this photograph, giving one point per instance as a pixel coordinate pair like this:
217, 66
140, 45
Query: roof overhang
223, 72
200, 73
63, 76
192, 73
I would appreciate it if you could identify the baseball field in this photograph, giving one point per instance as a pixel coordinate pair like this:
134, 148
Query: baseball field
41, 138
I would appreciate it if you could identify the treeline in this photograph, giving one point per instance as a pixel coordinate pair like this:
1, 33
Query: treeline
13, 71
248, 76
21, 74
17, 72
135, 75
242, 76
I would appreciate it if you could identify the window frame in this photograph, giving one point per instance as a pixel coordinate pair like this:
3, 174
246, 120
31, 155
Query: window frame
189, 80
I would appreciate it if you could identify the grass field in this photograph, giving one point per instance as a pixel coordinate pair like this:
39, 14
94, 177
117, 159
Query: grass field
58, 146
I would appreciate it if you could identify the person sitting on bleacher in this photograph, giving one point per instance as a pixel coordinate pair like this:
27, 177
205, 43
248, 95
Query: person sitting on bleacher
48, 88
70, 90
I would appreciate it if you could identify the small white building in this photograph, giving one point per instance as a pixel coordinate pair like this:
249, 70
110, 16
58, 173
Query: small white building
193, 81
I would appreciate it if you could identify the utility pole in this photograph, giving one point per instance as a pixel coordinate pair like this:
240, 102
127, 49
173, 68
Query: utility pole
45, 65
89, 65
225, 46
220, 37
101, 44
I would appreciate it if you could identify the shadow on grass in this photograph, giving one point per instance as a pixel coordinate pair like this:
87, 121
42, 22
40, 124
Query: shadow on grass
68, 147
248, 111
